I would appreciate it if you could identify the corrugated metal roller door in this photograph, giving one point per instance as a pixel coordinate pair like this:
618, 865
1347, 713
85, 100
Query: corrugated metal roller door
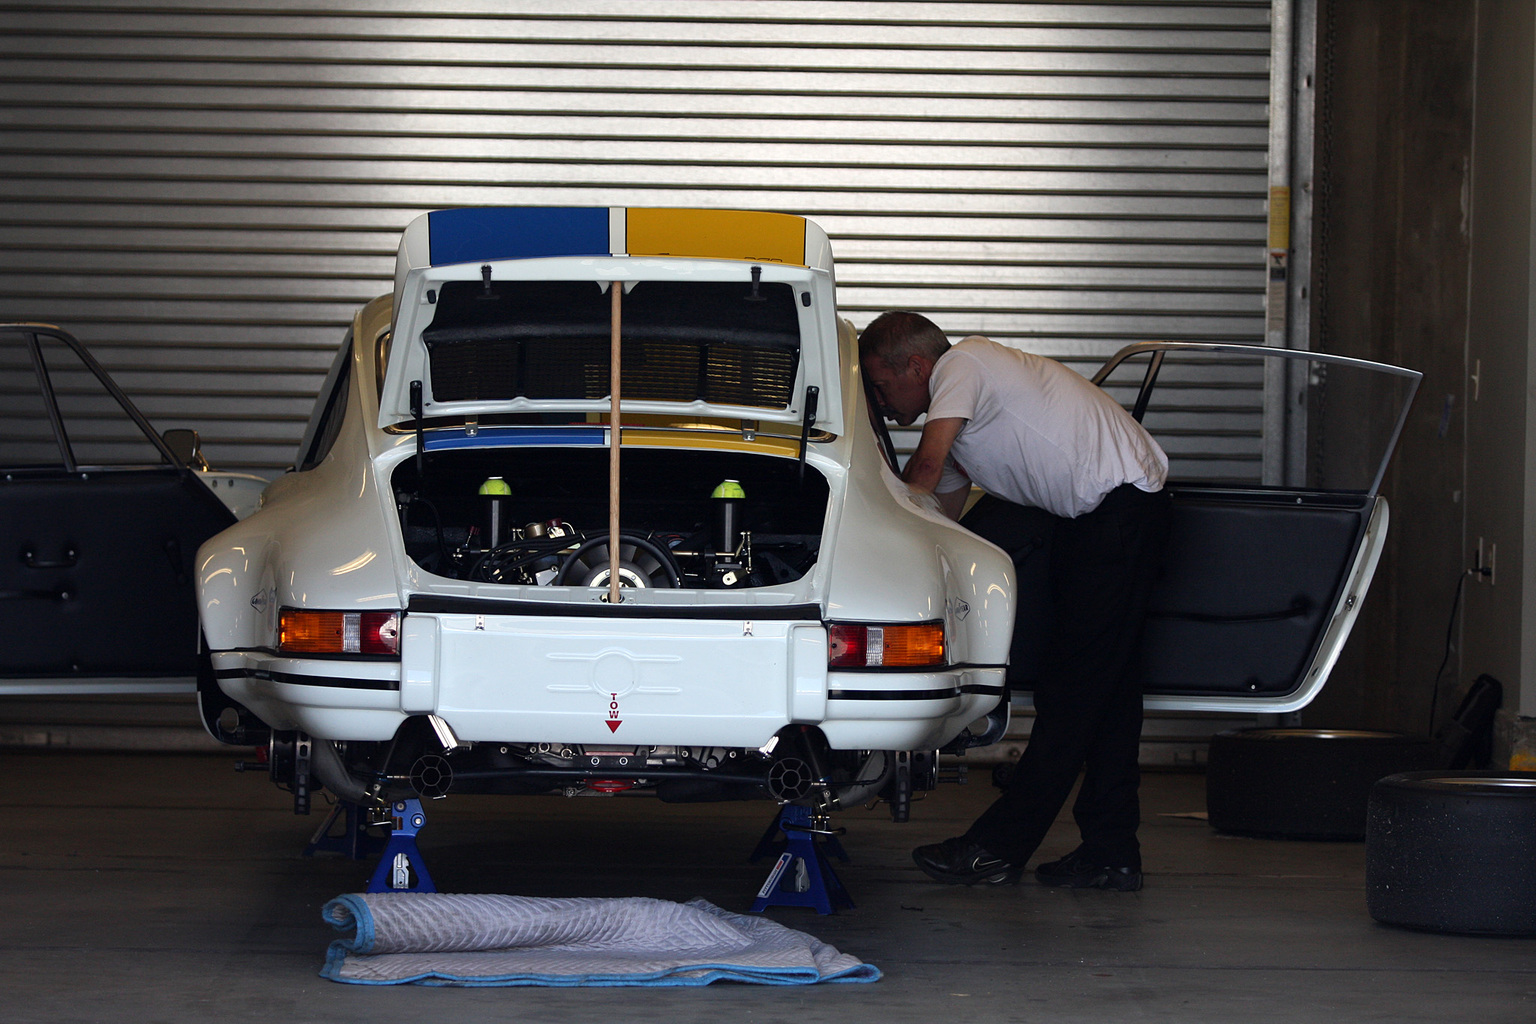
205, 191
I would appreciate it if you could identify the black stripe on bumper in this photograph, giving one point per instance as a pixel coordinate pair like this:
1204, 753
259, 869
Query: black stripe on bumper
301, 679
474, 606
943, 694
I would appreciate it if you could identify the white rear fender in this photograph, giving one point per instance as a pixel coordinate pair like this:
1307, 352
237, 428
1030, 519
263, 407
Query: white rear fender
897, 561
288, 555
235, 588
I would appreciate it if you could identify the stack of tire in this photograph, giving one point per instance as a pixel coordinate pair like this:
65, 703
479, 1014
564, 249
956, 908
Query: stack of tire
1453, 851
1446, 850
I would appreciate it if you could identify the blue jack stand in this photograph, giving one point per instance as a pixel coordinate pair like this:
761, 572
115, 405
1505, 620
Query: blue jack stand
401, 857
799, 820
354, 841
802, 876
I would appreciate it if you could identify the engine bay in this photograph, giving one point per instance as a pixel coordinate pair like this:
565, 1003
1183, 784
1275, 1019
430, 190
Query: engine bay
538, 516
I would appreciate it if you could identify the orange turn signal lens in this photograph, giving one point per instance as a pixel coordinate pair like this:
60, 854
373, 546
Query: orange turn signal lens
855, 645
307, 632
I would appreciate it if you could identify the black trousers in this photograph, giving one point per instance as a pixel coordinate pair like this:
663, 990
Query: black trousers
1099, 574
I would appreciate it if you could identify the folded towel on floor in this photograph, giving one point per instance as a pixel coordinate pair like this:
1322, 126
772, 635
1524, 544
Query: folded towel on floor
463, 939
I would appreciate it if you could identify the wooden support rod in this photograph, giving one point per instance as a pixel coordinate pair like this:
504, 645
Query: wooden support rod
617, 290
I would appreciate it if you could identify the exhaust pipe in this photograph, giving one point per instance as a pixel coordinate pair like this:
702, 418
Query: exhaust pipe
431, 776
801, 771
330, 770
790, 779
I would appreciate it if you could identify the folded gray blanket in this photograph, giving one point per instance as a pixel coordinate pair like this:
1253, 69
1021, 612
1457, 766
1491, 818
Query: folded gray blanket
461, 939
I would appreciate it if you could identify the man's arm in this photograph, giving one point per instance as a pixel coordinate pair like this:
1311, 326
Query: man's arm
953, 502
926, 466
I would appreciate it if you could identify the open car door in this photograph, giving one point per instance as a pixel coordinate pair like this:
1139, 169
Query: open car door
1276, 462
99, 526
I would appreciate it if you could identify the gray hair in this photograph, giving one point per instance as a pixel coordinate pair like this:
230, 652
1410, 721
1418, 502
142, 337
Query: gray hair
898, 334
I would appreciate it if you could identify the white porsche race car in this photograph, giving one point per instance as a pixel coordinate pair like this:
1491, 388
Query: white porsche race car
594, 502
473, 578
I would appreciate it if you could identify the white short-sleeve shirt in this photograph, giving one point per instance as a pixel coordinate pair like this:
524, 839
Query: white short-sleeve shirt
1036, 433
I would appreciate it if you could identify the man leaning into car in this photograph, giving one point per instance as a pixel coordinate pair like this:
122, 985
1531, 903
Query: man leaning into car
1064, 468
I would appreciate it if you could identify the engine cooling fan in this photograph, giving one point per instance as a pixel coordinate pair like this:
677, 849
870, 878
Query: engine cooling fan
641, 564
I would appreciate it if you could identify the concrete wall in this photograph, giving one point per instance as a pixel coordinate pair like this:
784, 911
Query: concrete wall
1500, 626
1389, 283
1425, 245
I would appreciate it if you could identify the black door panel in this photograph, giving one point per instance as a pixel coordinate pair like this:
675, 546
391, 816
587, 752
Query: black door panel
96, 572
1249, 584
1248, 587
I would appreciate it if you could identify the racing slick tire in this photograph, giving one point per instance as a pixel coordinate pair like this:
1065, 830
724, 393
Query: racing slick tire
1449, 851
1302, 783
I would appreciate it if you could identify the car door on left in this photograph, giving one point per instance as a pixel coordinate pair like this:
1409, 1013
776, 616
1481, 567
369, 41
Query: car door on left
99, 526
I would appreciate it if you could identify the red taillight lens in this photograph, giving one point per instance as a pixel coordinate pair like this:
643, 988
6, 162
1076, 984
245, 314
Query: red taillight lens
307, 632
853, 645
845, 646
380, 633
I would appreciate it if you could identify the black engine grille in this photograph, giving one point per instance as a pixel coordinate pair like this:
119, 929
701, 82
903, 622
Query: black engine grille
717, 342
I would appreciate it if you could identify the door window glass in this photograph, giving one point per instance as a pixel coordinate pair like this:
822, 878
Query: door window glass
26, 435
98, 430
1253, 416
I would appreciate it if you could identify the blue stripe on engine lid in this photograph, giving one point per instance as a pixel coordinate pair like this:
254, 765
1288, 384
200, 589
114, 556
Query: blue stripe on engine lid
516, 233
508, 437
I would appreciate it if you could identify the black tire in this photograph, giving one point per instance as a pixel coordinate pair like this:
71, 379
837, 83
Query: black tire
1302, 783
1453, 852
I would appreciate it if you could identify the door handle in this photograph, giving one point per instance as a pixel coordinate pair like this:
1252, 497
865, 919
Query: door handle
66, 561
58, 594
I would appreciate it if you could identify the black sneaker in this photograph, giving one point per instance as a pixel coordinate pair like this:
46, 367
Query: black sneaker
1074, 871
962, 861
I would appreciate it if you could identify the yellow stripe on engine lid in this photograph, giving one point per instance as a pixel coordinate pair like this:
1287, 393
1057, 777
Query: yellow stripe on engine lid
717, 234
642, 438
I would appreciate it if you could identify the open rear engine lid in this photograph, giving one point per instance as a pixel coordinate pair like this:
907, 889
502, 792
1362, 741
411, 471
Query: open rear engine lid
509, 310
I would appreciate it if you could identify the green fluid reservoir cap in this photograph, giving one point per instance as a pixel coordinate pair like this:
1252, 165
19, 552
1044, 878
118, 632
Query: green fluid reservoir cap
495, 485
729, 489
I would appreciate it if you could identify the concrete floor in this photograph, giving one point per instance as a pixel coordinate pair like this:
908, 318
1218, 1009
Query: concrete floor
167, 888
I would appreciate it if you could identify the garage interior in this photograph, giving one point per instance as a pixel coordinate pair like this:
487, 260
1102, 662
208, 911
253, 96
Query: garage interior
204, 193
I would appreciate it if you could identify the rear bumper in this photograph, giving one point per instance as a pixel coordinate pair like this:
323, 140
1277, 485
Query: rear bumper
681, 682
908, 710
687, 682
